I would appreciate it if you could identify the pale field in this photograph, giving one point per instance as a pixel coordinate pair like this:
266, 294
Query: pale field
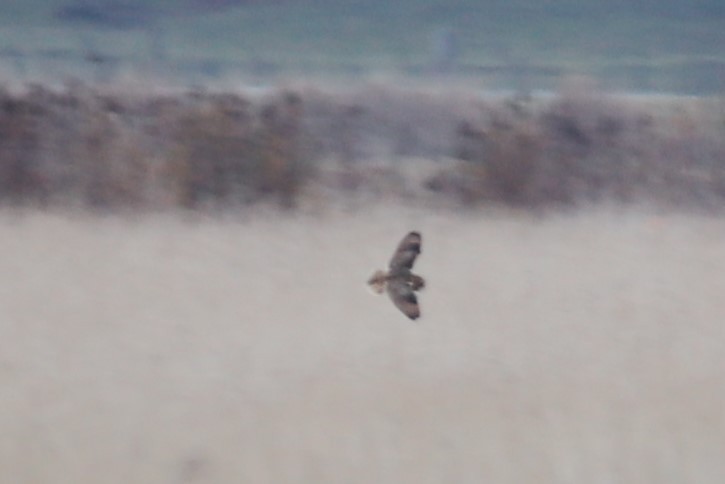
572, 348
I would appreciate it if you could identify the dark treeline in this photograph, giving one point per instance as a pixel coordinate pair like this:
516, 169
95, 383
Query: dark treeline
101, 149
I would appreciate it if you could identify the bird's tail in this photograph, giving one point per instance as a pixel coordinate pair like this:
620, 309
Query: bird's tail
377, 282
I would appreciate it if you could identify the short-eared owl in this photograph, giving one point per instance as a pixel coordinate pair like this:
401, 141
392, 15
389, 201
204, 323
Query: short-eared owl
399, 281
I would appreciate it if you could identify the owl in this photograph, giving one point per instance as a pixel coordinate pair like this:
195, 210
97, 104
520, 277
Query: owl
399, 281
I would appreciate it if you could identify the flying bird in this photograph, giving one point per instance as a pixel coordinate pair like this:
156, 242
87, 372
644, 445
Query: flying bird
399, 281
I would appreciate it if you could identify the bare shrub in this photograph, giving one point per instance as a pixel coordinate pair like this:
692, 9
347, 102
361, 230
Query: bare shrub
226, 152
21, 180
207, 161
499, 157
514, 154
601, 146
280, 149
585, 145
104, 150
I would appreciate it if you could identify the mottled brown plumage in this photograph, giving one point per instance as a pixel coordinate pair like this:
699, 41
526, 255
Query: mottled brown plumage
399, 281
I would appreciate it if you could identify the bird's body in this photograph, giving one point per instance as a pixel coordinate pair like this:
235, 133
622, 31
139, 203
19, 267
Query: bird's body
381, 278
399, 281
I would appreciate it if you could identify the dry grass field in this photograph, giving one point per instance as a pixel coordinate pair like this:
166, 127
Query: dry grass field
586, 347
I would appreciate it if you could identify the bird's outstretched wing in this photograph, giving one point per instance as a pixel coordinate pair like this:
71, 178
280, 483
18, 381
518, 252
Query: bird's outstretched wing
404, 298
407, 251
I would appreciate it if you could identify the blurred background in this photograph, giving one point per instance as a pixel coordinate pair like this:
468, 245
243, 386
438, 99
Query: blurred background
193, 194
640, 45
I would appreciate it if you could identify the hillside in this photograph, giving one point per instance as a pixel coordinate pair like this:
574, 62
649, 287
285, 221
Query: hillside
673, 46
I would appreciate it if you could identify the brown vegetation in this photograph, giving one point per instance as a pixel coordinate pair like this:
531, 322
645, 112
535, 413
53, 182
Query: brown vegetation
102, 149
